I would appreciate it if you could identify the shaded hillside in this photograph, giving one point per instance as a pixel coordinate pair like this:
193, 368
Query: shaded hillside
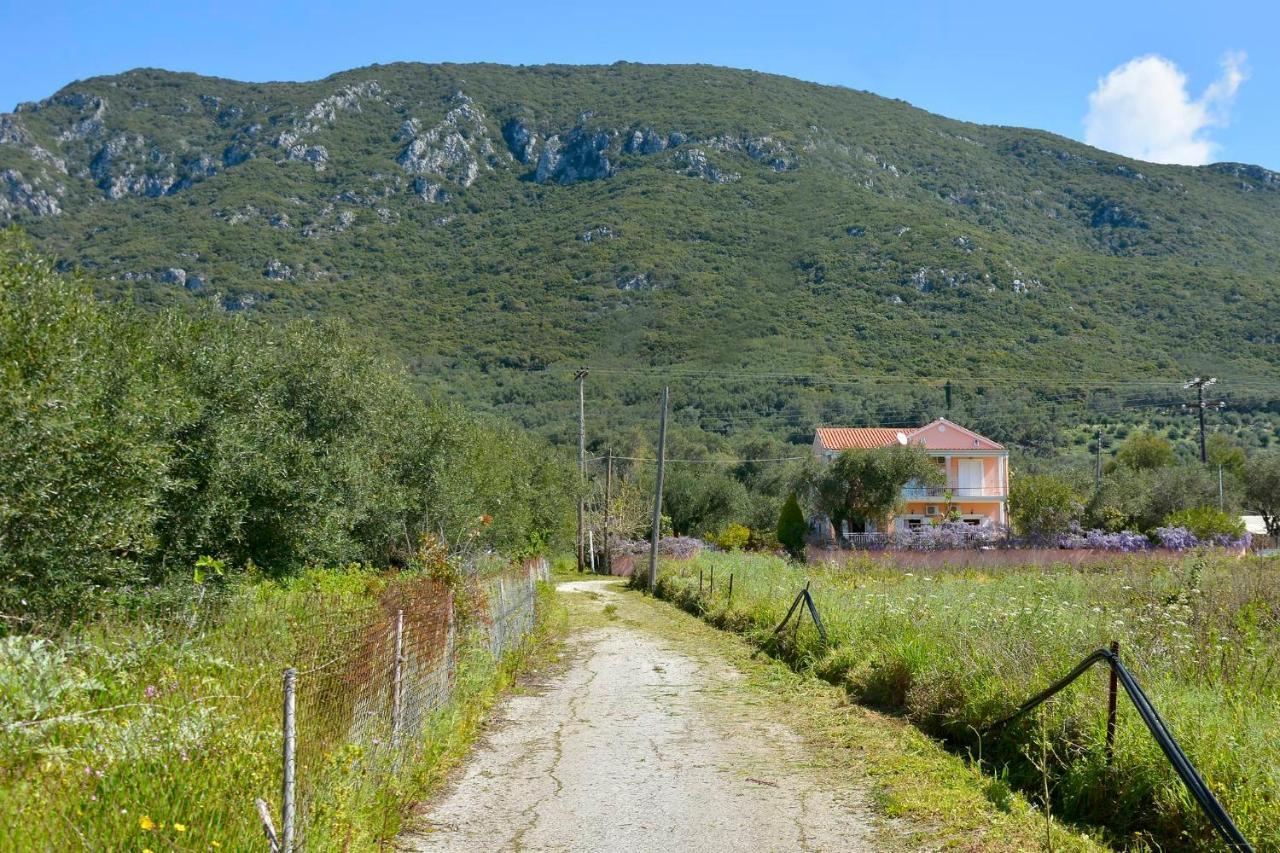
489, 222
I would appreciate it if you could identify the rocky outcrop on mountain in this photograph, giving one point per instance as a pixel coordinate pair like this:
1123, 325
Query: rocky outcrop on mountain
640, 281
453, 150
325, 112
522, 140
1107, 212
1251, 177
90, 125
603, 232
127, 166
646, 141
582, 155
429, 192
696, 164
13, 132
763, 149
17, 195
322, 114
278, 271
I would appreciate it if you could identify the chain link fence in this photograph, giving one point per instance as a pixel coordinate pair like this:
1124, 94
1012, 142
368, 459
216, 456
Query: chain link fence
182, 711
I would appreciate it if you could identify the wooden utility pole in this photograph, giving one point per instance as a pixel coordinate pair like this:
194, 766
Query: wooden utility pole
948, 391
608, 509
657, 494
1200, 384
581, 377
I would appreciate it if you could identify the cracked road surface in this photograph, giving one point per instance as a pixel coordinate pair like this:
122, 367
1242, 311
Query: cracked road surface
634, 745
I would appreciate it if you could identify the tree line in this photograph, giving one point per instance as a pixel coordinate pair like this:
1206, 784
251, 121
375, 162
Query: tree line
132, 446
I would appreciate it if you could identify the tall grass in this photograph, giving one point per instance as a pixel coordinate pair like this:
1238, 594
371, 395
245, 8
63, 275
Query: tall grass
157, 725
954, 651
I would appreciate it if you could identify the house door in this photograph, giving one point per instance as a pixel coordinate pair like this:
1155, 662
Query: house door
970, 477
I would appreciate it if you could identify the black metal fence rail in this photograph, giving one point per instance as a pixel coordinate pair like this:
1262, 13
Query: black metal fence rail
1159, 730
807, 598
1120, 676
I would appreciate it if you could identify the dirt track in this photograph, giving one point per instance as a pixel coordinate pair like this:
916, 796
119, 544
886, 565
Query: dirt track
631, 745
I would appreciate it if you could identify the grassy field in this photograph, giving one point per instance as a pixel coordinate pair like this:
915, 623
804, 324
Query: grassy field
955, 651
157, 725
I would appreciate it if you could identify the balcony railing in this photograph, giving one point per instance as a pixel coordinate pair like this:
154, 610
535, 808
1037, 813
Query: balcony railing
956, 492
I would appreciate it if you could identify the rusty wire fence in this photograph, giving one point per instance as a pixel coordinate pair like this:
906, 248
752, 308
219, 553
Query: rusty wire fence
262, 723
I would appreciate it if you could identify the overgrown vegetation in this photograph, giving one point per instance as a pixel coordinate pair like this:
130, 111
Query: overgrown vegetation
1028, 268
134, 445
953, 651
157, 724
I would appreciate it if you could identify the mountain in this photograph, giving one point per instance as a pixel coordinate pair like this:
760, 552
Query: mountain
787, 253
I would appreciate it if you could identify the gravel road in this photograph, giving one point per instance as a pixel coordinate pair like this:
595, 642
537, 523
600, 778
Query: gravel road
630, 745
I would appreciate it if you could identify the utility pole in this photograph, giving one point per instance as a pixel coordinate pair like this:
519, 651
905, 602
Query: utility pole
657, 494
608, 510
581, 377
1097, 467
1200, 384
948, 391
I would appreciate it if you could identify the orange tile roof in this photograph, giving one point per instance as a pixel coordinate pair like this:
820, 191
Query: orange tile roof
864, 438
934, 436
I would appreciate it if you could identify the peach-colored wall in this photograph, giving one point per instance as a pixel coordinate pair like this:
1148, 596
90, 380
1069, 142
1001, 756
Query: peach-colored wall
991, 472
988, 509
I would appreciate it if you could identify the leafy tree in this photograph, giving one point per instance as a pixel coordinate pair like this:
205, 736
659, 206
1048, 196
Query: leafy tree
1043, 505
701, 501
1262, 489
867, 484
791, 527
1224, 453
1141, 500
1145, 452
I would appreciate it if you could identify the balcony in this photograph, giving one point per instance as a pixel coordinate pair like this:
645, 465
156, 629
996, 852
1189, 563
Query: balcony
913, 492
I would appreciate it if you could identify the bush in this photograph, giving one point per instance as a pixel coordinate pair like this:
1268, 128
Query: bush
791, 527
1043, 506
1207, 524
734, 537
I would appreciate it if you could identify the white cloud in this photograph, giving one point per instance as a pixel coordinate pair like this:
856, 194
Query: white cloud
1143, 110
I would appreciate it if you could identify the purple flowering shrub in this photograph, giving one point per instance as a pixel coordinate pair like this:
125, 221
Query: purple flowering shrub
947, 536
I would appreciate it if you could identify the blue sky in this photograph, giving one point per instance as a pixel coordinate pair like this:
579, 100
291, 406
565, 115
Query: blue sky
1028, 64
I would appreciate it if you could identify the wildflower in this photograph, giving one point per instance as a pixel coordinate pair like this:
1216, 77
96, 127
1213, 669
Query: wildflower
151, 691
179, 827
146, 824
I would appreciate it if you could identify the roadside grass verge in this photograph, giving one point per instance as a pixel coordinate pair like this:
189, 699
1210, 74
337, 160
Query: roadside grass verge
954, 651
157, 725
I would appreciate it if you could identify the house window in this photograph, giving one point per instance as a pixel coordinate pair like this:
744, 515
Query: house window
914, 523
973, 522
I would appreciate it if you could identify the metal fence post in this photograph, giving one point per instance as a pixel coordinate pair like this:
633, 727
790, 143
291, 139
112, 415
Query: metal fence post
730, 589
288, 785
1111, 705
711, 587
397, 683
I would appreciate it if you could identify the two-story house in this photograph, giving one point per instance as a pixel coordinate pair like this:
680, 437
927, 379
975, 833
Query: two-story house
976, 470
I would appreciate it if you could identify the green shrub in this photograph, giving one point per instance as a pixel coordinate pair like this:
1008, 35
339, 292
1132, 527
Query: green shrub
1042, 505
1206, 523
734, 537
791, 527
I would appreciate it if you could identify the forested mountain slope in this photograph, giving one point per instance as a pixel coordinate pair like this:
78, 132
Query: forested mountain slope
495, 225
